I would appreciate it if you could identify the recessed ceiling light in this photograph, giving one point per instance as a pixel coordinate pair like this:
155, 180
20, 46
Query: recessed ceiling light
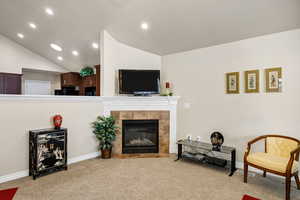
144, 26
20, 35
32, 25
49, 11
95, 45
75, 53
55, 47
60, 58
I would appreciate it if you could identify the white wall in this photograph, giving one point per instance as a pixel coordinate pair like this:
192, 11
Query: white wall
20, 116
14, 57
198, 76
116, 55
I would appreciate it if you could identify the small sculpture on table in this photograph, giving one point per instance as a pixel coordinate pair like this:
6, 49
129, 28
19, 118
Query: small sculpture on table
217, 140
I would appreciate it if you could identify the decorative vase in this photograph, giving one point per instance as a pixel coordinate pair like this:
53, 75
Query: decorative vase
57, 121
106, 153
167, 85
168, 90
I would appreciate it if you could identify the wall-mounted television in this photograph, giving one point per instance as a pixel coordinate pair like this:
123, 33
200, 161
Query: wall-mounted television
139, 82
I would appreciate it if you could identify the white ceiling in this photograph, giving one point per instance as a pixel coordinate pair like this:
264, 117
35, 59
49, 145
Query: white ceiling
175, 25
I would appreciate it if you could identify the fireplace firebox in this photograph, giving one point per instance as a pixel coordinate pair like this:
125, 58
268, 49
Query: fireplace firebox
140, 136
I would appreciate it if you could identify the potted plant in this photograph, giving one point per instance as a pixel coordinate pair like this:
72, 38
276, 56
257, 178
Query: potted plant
86, 71
105, 131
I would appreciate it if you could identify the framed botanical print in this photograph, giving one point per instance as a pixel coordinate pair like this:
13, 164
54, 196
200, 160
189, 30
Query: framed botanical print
252, 81
233, 83
273, 79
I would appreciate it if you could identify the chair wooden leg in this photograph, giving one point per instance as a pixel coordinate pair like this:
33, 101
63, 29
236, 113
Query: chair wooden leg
288, 188
297, 181
245, 172
265, 173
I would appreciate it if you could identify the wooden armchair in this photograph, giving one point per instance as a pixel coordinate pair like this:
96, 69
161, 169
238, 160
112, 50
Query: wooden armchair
280, 157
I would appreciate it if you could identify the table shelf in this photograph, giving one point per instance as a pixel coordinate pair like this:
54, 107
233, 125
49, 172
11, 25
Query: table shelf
201, 151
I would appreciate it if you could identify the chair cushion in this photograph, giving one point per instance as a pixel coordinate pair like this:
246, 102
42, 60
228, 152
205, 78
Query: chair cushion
270, 161
281, 146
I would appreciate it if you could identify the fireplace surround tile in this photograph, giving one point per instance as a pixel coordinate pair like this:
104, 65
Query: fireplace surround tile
126, 115
164, 128
165, 115
140, 115
154, 115
164, 125
115, 114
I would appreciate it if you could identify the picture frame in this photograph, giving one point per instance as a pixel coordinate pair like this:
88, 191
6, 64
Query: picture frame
233, 83
252, 81
273, 79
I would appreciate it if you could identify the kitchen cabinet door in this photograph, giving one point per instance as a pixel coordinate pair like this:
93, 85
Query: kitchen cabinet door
12, 84
2, 90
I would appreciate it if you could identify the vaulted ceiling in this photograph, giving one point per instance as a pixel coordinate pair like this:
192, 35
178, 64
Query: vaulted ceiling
174, 25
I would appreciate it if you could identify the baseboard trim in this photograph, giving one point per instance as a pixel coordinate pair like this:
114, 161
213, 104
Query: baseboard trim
24, 173
83, 157
14, 176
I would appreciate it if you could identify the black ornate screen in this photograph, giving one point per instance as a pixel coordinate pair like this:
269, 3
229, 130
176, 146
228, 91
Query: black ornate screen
48, 151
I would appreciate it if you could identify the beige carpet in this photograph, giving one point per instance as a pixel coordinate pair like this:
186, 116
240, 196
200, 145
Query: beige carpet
146, 179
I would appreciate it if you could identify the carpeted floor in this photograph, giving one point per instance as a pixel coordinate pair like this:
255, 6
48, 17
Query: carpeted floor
146, 179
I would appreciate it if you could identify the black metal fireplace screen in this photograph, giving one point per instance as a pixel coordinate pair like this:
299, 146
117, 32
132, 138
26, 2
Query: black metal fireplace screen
140, 136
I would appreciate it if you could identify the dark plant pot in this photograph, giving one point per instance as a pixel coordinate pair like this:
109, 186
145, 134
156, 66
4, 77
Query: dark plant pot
106, 153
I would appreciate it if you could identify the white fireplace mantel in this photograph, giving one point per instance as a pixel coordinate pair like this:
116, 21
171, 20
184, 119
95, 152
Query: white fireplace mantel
155, 103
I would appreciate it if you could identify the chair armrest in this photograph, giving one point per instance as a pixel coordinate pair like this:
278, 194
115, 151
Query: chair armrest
297, 150
254, 141
292, 158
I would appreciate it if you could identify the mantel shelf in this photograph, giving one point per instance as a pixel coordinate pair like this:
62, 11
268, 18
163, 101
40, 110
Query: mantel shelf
131, 100
112, 100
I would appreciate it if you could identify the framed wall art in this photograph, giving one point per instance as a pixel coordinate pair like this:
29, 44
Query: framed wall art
233, 83
252, 81
273, 79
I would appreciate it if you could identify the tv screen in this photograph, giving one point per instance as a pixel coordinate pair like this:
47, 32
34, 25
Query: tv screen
139, 81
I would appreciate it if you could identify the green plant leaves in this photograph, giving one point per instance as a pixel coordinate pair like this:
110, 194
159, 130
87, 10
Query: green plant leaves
105, 130
86, 71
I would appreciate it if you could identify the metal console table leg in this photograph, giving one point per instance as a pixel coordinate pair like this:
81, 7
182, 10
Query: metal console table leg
179, 153
233, 161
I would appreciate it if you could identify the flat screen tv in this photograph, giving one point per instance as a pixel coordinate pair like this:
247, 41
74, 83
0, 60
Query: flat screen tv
139, 82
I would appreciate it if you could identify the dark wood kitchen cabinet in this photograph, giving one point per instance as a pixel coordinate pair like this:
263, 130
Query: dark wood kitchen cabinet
88, 85
1, 84
98, 79
70, 79
10, 83
89, 81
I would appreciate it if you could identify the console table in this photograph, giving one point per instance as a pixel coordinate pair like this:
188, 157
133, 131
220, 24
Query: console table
201, 151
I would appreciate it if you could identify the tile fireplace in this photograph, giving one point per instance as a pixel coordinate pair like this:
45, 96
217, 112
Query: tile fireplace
142, 132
